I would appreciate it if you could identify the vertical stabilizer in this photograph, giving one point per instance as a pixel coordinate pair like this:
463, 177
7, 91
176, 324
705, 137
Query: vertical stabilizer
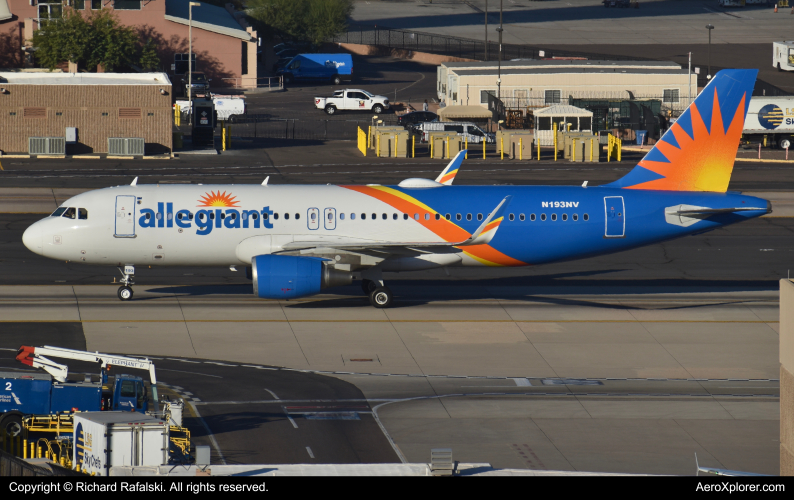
697, 153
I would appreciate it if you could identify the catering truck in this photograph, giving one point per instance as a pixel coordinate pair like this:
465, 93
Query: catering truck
769, 122
337, 68
783, 56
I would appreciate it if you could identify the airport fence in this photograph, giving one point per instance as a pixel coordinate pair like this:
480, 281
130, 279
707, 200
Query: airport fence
253, 127
467, 48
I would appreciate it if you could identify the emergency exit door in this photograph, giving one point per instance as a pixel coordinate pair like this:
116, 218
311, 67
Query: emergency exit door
125, 216
313, 219
329, 216
615, 213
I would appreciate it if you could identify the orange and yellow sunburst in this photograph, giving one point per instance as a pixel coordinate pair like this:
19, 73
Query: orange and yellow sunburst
703, 162
213, 199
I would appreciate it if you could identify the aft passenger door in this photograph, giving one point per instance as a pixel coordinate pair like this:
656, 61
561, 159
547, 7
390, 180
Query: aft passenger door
313, 219
329, 217
615, 212
125, 217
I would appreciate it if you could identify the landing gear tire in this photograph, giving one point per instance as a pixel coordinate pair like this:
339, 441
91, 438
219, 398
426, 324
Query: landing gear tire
381, 297
125, 293
12, 425
367, 286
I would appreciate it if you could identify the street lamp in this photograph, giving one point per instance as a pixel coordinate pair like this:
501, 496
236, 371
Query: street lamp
190, 56
709, 27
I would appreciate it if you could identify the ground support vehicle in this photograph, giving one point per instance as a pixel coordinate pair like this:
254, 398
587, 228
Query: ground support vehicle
468, 131
783, 55
769, 122
26, 394
337, 68
352, 100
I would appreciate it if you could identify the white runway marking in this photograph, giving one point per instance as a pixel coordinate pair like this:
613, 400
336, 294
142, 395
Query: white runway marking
309, 450
294, 425
272, 394
192, 373
522, 382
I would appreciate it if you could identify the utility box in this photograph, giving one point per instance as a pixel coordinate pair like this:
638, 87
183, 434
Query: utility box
392, 143
126, 146
71, 135
374, 131
109, 439
444, 144
519, 146
581, 148
204, 121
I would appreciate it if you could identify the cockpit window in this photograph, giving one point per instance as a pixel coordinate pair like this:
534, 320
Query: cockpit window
82, 213
70, 213
58, 212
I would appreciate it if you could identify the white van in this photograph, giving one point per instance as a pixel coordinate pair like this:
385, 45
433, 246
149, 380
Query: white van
467, 130
783, 56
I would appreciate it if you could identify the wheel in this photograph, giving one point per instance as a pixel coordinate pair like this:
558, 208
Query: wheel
377, 109
337, 80
380, 297
12, 425
329, 110
784, 143
125, 293
367, 286
287, 79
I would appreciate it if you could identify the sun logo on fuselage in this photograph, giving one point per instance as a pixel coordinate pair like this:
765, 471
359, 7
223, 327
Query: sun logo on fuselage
213, 199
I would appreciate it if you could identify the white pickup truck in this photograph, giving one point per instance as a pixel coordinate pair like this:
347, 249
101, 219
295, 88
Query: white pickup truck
352, 99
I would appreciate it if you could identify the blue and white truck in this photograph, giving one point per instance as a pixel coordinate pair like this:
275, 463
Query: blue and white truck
337, 68
28, 393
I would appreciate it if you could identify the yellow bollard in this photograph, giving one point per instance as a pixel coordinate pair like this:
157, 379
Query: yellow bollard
573, 150
609, 146
177, 115
369, 137
555, 144
520, 148
377, 146
223, 137
466, 141
483, 148
538, 149
413, 146
591, 150
25, 448
32, 450
620, 148
502, 146
432, 140
447, 147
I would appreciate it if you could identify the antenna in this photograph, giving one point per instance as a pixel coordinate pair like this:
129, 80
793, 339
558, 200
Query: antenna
134, 182
264, 182
584, 184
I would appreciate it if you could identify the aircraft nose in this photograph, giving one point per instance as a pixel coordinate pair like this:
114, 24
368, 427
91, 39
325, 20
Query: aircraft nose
33, 238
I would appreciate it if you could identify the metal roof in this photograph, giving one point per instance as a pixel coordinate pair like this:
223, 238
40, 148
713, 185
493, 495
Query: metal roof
562, 110
464, 112
562, 62
592, 71
207, 17
24, 78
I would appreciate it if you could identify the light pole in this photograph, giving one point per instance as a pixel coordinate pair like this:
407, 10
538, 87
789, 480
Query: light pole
190, 56
486, 30
709, 27
499, 70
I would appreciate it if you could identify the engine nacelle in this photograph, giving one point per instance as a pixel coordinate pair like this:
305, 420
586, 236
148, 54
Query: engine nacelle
289, 277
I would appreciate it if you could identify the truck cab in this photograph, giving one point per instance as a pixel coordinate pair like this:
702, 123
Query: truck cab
125, 393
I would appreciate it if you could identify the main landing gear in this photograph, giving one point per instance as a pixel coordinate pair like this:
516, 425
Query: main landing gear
379, 294
125, 290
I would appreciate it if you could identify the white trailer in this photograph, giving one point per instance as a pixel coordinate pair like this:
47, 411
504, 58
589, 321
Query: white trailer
770, 122
783, 56
109, 439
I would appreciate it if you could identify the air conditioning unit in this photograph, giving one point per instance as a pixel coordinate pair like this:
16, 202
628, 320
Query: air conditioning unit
47, 145
125, 146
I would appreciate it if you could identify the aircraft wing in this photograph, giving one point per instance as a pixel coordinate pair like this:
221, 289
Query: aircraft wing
483, 235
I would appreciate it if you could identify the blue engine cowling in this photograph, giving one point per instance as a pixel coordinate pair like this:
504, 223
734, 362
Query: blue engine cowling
289, 277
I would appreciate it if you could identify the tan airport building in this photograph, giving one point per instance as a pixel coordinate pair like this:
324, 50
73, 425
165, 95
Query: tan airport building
85, 109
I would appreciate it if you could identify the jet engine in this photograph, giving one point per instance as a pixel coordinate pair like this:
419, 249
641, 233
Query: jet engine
289, 277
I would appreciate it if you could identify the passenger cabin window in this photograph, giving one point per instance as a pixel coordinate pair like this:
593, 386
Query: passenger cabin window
586, 217
512, 217
468, 216
479, 216
70, 213
363, 216
286, 216
405, 216
553, 216
542, 216
575, 216
532, 217
58, 212
448, 216
352, 216
394, 216
564, 216
82, 213
457, 216
341, 216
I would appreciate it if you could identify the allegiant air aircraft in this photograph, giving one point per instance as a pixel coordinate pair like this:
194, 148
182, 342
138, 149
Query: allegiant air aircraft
297, 240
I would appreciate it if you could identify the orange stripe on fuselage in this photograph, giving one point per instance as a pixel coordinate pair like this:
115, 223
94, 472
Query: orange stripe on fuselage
444, 229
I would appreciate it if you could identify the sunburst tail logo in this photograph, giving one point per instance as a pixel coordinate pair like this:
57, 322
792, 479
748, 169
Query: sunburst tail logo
213, 199
698, 152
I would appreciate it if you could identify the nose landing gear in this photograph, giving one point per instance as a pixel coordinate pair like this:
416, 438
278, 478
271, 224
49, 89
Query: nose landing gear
125, 290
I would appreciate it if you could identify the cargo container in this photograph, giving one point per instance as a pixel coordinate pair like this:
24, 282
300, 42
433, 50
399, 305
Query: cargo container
108, 439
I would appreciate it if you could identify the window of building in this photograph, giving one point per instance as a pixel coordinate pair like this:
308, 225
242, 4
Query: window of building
544, 123
96, 4
670, 95
78, 4
484, 95
127, 4
585, 123
552, 97
244, 58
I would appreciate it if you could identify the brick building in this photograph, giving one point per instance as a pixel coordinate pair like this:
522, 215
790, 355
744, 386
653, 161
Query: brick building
98, 105
224, 45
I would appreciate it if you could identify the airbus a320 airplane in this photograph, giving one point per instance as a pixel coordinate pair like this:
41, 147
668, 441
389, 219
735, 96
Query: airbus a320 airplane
297, 240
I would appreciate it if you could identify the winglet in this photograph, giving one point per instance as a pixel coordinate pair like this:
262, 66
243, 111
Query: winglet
134, 182
487, 230
264, 182
448, 174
